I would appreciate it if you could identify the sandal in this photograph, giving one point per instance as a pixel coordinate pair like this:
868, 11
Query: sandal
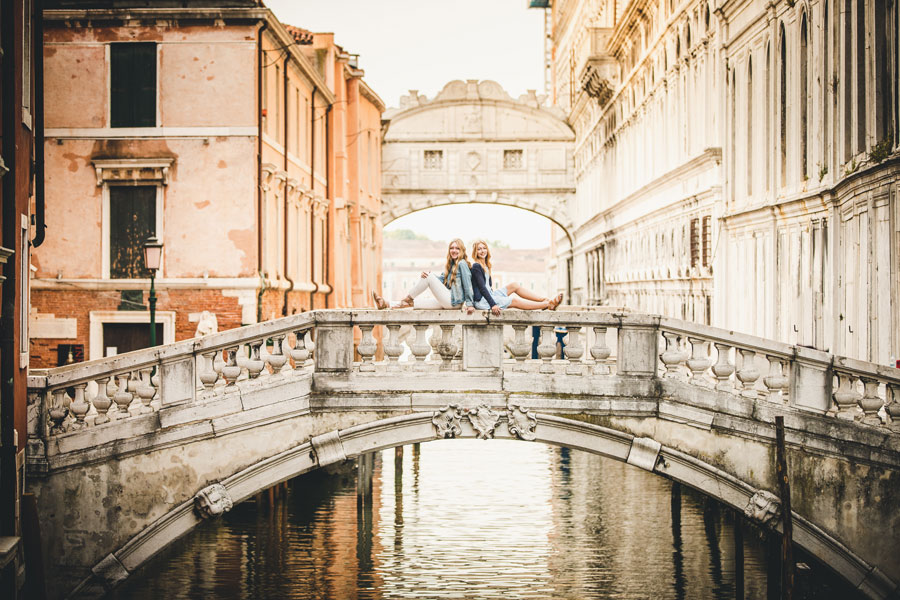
380, 302
406, 303
555, 302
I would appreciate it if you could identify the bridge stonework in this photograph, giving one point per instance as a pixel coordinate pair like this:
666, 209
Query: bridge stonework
123, 462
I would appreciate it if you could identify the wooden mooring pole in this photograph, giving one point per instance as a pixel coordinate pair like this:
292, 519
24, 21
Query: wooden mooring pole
784, 489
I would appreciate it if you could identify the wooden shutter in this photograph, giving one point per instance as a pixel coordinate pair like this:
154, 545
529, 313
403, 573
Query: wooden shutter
132, 216
133, 84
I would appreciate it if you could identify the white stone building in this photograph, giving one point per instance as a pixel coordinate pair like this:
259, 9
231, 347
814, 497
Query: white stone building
736, 163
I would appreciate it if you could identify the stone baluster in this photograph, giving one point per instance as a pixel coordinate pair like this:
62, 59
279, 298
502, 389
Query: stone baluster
59, 411
600, 351
547, 348
672, 357
102, 402
144, 389
574, 351
892, 405
420, 348
123, 396
870, 402
208, 374
447, 347
392, 347
521, 346
846, 397
254, 364
300, 353
231, 371
367, 348
723, 368
748, 373
79, 407
775, 381
699, 361
277, 359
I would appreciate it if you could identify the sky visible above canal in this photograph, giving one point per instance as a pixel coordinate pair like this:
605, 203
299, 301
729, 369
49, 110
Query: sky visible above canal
422, 45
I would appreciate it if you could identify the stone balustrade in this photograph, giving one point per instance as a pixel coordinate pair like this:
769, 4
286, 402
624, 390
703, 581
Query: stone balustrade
110, 390
106, 392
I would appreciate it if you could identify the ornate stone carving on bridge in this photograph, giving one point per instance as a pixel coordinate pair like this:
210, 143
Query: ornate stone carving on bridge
764, 507
521, 422
484, 421
447, 421
213, 501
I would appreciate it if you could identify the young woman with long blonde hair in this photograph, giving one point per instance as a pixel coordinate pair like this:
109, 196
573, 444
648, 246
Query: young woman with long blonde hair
450, 289
496, 300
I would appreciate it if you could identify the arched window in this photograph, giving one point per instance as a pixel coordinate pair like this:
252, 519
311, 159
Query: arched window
804, 98
885, 69
782, 104
749, 126
860, 65
847, 79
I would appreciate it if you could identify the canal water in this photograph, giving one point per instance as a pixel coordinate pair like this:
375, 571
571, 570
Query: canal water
475, 519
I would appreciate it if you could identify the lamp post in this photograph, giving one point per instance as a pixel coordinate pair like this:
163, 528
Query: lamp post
152, 257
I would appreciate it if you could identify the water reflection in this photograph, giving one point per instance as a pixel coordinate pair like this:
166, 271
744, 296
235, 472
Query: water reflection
468, 519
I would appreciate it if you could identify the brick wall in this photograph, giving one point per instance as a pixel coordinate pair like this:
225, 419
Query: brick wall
78, 304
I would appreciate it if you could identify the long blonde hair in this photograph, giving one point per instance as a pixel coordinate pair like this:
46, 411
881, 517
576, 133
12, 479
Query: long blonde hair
487, 259
452, 267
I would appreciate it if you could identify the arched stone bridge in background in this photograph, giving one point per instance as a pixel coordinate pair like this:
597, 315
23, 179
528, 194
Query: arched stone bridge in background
475, 144
124, 462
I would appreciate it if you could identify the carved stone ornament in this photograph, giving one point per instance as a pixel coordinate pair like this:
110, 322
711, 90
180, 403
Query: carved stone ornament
484, 420
764, 507
447, 421
213, 501
521, 422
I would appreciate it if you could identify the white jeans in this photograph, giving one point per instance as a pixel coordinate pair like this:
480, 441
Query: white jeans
440, 293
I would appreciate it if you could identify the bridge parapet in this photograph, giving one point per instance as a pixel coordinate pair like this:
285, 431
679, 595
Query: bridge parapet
110, 391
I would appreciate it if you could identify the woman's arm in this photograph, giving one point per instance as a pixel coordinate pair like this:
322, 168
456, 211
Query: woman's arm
465, 278
479, 283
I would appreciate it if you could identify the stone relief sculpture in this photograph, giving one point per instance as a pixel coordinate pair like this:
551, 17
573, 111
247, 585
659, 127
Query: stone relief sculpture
212, 501
521, 422
764, 507
447, 422
484, 420
207, 324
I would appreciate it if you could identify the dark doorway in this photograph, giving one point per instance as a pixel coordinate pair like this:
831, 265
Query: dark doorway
125, 337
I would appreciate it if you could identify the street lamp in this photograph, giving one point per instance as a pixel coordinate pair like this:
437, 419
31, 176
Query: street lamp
152, 257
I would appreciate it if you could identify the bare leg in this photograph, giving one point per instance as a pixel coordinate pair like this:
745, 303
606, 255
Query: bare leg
528, 304
524, 292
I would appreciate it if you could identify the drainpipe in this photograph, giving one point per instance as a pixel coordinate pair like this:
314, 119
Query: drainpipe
328, 277
38, 54
312, 191
284, 304
259, 152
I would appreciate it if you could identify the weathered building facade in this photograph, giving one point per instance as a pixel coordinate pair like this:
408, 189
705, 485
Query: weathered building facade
248, 147
20, 126
737, 164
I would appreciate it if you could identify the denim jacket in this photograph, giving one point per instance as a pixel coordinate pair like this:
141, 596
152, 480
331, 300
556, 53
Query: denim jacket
461, 290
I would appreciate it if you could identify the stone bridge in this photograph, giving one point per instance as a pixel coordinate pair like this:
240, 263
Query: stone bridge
129, 453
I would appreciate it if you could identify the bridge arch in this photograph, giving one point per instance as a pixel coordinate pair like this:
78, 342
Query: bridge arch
474, 143
382, 434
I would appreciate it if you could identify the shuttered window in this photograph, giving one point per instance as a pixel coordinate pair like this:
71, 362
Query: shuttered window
133, 84
132, 216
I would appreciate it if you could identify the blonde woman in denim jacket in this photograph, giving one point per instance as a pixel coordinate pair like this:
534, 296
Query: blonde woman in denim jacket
450, 289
